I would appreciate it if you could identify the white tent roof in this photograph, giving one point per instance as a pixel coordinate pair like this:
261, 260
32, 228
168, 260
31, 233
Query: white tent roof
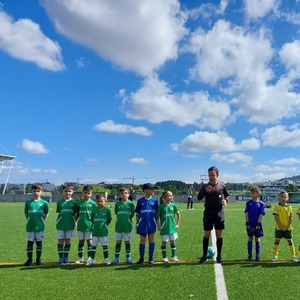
6, 157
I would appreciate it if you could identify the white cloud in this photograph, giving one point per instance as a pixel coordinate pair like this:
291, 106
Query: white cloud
138, 160
111, 126
228, 51
33, 147
287, 161
268, 168
206, 10
282, 136
23, 39
259, 8
137, 35
46, 171
289, 55
203, 141
156, 103
238, 63
234, 157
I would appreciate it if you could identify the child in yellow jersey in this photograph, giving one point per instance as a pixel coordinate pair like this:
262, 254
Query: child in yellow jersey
283, 225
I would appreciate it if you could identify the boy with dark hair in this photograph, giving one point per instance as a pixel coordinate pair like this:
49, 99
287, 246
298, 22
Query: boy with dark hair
36, 212
146, 210
65, 224
85, 207
124, 210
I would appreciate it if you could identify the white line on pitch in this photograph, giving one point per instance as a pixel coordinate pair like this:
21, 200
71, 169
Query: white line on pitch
219, 276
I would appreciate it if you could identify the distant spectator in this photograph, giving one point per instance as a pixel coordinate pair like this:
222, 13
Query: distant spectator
190, 198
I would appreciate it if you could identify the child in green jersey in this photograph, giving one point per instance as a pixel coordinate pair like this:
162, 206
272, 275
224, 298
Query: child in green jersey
65, 224
36, 212
283, 225
168, 224
85, 207
101, 218
124, 209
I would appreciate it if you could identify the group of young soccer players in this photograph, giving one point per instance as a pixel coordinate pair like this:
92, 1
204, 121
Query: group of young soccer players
254, 212
92, 218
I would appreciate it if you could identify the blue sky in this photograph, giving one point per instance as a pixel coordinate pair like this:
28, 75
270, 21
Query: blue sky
153, 90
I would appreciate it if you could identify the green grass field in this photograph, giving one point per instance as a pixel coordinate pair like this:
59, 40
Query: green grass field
184, 280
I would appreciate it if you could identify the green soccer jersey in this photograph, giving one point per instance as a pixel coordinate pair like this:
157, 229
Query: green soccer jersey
66, 210
35, 212
124, 212
101, 219
84, 212
166, 215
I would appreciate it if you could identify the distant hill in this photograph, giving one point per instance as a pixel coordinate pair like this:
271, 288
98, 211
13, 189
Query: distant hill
293, 178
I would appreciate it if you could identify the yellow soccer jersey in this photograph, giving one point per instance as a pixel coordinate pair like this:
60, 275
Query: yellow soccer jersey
284, 213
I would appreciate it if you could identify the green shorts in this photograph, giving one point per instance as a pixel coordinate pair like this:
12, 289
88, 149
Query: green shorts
279, 234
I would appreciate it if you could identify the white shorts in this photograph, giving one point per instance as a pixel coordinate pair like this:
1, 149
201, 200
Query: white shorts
35, 236
64, 234
169, 237
103, 240
119, 236
82, 235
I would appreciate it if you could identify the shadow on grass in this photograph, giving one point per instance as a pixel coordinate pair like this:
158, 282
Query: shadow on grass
123, 266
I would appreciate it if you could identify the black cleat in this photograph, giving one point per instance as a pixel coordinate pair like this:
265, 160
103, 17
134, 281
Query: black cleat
219, 259
140, 261
38, 262
203, 260
28, 262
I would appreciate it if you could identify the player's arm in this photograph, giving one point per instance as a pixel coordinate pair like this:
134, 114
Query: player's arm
109, 218
26, 212
158, 220
278, 222
178, 218
201, 193
247, 219
290, 222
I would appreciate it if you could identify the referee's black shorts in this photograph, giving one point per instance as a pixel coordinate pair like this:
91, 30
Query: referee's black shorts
213, 219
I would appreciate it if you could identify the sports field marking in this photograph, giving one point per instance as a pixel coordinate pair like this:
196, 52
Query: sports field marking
219, 276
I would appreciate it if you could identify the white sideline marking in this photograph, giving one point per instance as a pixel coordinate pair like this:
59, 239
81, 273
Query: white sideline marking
219, 276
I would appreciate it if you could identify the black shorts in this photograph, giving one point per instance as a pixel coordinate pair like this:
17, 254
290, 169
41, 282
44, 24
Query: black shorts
213, 219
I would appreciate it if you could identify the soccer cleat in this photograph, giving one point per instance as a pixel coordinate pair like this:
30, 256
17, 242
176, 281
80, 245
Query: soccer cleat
107, 261
28, 262
140, 261
257, 258
295, 259
89, 261
203, 260
175, 259
165, 260
274, 258
38, 262
151, 261
79, 260
66, 260
115, 261
129, 260
249, 257
219, 259
61, 260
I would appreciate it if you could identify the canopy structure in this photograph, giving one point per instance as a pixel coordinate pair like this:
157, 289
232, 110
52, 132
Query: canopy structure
3, 158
